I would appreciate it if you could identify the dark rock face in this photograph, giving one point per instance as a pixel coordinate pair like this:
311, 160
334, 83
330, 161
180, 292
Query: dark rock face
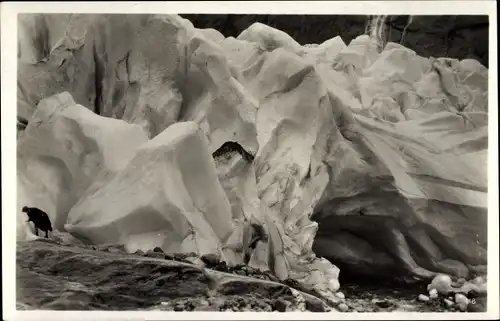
457, 37
228, 147
443, 36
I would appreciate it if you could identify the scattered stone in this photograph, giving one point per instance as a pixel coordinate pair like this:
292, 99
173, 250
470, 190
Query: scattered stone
139, 252
314, 306
154, 255
384, 304
342, 307
462, 301
280, 305
448, 303
250, 270
459, 297
433, 294
478, 280
423, 298
204, 308
47, 240
112, 248
216, 301
158, 249
272, 277
115, 250
340, 295
222, 266
442, 283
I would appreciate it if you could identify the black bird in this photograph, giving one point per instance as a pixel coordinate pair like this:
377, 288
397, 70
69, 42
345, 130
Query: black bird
39, 218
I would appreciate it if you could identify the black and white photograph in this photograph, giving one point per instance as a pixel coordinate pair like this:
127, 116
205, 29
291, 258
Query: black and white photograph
274, 164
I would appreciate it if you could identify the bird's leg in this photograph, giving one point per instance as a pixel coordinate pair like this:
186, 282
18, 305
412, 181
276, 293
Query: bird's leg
36, 231
46, 234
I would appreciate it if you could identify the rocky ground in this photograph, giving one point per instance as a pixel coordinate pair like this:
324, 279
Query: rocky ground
55, 276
